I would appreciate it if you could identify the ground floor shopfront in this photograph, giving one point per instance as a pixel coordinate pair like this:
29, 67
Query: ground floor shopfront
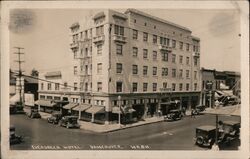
124, 108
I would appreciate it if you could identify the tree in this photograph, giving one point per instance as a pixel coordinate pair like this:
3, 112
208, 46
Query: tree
34, 73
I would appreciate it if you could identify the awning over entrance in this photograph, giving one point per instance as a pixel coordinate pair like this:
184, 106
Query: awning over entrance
124, 110
95, 110
46, 103
227, 110
81, 107
70, 106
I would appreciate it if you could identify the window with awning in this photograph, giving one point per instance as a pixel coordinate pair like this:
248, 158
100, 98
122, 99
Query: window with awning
46, 103
70, 106
81, 107
95, 110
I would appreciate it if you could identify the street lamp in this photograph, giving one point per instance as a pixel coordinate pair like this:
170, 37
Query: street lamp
119, 115
210, 85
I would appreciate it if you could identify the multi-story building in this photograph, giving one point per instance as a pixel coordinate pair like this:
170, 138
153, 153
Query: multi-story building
133, 60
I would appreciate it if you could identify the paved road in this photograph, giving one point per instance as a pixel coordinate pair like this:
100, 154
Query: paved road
178, 135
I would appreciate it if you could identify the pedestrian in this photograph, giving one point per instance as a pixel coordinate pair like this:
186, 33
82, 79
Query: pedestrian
192, 113
184, 111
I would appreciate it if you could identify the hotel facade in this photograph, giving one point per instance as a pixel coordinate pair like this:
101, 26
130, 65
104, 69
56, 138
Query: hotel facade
131, 63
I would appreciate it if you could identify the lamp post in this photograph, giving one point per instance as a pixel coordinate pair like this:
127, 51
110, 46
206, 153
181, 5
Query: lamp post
210, 85
119, 115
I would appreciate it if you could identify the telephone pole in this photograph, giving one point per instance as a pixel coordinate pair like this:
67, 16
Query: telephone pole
19, 61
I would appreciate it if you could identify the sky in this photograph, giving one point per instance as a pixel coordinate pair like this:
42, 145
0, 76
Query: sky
44, 33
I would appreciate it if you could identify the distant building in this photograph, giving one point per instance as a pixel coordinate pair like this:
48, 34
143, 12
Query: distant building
219, 83
133, 60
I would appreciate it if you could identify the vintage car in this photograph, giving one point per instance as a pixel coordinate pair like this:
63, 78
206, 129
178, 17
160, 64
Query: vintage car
229, 131
69, 122
173, 115
55, 117
33, 113
205, 135
14, 139
199, 109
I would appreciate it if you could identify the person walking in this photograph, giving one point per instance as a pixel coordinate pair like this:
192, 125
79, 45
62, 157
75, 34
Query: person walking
192, 113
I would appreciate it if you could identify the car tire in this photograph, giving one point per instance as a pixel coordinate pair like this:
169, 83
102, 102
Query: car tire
199, 140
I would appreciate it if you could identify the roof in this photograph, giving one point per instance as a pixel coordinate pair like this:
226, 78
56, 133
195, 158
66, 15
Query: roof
156, 18
54, 73
207, 127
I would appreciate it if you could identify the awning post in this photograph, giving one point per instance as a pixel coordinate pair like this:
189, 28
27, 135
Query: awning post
79, 115
92, 117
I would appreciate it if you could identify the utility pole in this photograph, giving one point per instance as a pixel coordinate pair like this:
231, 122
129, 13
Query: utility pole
19, 61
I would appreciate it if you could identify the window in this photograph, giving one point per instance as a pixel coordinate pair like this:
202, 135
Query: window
134, 87
42, 86
187, 60
164, 55
154, 86
86, 86
180, 86
75, 70
119, 30
145, 70
135, 69
154, 55
81, 86
155, 39
42, 97
173, 72
86, 52
187, 73
118, 68
164, 71
164, 41
134, 20
119, 49
135, 51
174, 43
165, 84
168, 42
118, 86
187, 87
75, 86
195, 61
145, 87
195, 74
173, 86
173, 58
154, 71
145, 24
187, 47
194, 48
65, 84
99, 30
75, 54
195, 86
86, 69
181, 73
49, 97
99, 86
161, 40
99, 68
99, 49
135, 34
49, 86
57, 86
145, 36
181, 59
145, 53
181, 45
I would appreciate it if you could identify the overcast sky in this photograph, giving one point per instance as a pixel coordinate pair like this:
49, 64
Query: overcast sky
45, 35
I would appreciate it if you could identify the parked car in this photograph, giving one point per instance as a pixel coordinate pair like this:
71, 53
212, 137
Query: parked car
55, 117
205, 135
14, 139
199, 109
173, 115
69, 122
33, 113
230, 131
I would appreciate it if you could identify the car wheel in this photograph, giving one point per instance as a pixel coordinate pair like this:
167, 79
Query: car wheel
199, 140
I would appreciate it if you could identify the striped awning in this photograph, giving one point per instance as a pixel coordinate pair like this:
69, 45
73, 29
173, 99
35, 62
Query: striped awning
70, 106
95, 109
46, 103
82, 107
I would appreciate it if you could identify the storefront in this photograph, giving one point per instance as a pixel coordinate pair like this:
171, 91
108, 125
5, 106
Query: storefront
79, 110
68, 109
47, 106
97, 114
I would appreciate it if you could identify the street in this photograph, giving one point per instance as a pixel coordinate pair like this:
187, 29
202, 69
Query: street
177, 135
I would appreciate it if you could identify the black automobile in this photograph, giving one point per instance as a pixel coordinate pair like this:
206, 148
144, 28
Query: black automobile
14, 139
33, 113
173, 115
55, 117
199, 109
69, 122
229, 131
205, 135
